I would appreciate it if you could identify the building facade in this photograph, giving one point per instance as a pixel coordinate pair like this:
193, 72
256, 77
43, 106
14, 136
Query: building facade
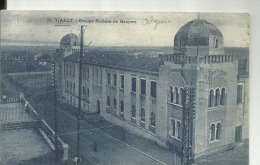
145, 94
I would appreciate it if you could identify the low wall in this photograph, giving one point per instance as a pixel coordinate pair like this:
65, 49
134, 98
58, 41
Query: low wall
61, 146
50, 134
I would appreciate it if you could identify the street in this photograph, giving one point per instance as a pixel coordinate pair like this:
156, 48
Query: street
112, 148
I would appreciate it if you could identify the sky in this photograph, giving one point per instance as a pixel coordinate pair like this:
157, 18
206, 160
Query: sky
143, 28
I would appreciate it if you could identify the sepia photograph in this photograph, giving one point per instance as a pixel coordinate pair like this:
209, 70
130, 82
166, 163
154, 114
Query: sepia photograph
124, 88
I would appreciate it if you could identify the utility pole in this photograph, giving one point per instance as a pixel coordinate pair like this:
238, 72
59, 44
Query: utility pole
79, 93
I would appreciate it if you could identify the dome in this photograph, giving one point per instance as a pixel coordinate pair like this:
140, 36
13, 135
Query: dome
70, 40
198, 33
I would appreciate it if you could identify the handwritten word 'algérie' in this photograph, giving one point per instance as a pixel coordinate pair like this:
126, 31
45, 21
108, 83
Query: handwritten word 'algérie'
156, 22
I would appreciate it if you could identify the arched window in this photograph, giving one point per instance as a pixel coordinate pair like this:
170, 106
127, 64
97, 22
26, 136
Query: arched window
114, 103
216, 43
171, 94
74, 87
176, 96
142, 114
212, 132
211, 98
67, 85
218, 132
108, 101
152, 119
133, 111
223, 97
173, 128
217, 97
180, 96
122, 106
179, 130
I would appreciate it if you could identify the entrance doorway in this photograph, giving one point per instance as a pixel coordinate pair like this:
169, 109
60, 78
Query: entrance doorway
98, 106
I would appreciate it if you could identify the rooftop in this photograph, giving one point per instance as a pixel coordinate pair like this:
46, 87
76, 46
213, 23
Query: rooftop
24, 145
118, 59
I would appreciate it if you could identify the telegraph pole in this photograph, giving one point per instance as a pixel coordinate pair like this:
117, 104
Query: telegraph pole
55, 111
188, 102
79, 93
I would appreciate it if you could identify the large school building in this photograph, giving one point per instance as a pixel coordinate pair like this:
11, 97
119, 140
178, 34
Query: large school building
145, 94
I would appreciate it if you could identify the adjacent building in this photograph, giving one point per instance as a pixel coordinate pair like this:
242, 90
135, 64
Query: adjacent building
145, 94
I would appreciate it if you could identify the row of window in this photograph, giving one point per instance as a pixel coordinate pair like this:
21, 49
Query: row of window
85, 92
215, 131
142, 115
121, 105
71, 87
122, 80
175, 95
217, 97
70, 69
175, 129
133, 111
143, 87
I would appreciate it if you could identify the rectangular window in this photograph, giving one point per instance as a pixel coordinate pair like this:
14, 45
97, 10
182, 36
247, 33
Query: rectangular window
133, 84
153, 89
67, 69
101, 78
84, 72
93, 75
97, 76
115, 79
74, 69
122, 81
143, 86
108, 78
240, 93
70, 71
88, 73
74, 88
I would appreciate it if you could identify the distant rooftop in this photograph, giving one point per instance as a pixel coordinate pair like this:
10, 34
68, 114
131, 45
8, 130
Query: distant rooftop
118, 59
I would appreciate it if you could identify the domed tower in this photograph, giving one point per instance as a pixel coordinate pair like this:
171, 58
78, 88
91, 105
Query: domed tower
199, 37
69, 40
69, 44
198, 63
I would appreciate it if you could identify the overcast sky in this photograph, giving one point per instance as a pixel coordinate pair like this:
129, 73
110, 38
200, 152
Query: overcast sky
32, 28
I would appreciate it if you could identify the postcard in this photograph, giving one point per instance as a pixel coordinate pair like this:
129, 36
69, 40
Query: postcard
98, 87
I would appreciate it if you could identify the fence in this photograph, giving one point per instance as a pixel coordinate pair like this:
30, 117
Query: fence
10, 100
13, 113
29, 73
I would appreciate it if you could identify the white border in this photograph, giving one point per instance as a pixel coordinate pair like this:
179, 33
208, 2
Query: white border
245, 6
